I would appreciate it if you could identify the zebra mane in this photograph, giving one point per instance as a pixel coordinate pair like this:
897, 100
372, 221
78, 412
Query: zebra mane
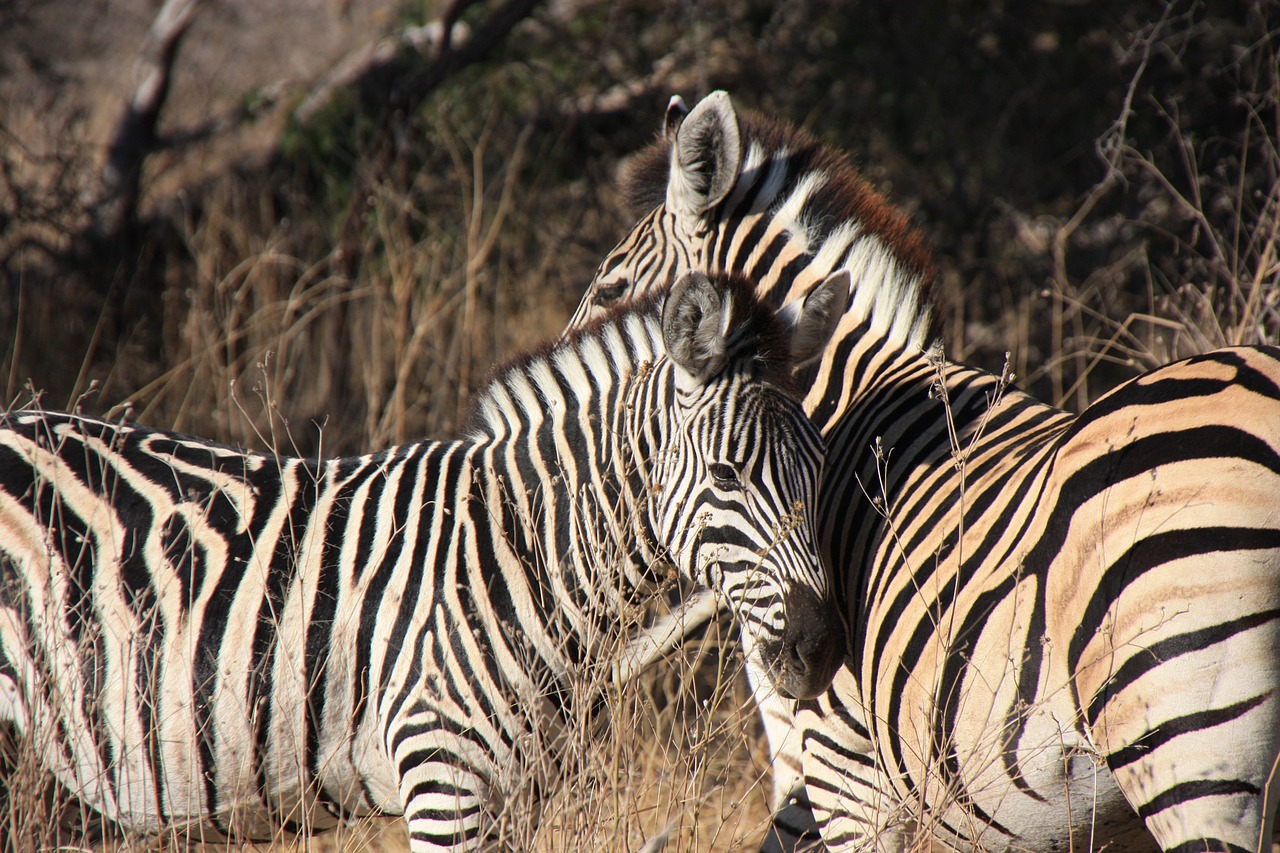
832, 195
760, 345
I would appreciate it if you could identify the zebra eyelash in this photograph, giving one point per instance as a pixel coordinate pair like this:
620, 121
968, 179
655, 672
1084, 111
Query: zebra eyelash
610, 293
725, 476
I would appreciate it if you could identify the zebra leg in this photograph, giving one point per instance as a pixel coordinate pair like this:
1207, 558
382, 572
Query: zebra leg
447, 805
853, 804
1204, 789
793, 827
448, 776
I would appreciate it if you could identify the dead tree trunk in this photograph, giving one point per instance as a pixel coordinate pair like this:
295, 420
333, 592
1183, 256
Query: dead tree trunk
114, 204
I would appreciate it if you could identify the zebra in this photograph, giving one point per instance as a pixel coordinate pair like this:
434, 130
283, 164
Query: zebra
1064, 632
248, 642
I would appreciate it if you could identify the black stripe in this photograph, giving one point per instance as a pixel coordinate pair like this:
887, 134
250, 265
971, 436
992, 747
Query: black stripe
1197, 789
1167, 730
1149, 553
281, 572
1162, 651
319, 628
1208, 845
381, 569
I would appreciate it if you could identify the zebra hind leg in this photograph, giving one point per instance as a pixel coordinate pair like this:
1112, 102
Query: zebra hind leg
448, 809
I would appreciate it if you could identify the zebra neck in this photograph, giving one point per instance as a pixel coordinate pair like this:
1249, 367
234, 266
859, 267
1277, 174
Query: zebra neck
923, 431
795, 243
914, 407
576, 541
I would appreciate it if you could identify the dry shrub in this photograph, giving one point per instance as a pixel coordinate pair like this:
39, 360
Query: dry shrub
1174, 249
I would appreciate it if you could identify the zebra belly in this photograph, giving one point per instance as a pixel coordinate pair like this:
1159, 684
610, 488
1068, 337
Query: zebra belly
1053, 793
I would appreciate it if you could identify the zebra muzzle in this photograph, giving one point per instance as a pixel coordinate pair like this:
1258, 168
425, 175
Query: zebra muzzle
804, 660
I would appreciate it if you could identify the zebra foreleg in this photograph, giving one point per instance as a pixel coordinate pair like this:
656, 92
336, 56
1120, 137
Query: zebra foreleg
793, 827
852, 804
447, 806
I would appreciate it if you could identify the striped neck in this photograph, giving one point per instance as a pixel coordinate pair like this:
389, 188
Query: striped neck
917, 443
563, 471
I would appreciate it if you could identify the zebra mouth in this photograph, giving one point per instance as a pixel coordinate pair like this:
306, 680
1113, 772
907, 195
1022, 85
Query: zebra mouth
780, 676
797, 674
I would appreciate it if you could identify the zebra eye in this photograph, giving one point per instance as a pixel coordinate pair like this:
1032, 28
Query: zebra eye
607, 294
724, 476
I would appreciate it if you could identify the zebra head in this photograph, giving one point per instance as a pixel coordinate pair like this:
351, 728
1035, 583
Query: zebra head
734, 476
741, 193
666, 241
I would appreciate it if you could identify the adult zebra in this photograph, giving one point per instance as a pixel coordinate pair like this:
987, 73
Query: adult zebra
192, 634
1062, 630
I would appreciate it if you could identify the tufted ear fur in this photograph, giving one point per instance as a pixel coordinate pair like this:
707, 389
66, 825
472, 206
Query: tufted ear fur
695, 325
676, 111
706, 154
813, 318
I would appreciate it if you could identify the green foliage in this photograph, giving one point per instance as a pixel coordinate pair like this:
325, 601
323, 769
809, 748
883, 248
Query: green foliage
326, 150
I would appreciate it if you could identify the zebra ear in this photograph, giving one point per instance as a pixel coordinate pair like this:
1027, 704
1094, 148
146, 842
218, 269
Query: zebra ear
676, 111
814, 317
706, 154
695, 325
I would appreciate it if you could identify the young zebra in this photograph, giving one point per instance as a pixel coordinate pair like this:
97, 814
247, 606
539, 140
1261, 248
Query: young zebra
193, 634
1064, 632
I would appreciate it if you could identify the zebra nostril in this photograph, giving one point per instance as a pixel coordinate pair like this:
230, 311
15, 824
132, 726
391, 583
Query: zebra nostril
802, 653
811, 648
809, 654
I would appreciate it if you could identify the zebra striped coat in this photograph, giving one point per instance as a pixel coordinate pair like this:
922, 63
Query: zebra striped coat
1064, 632
192, 634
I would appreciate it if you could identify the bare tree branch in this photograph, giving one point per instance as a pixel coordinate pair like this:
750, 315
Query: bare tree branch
373, 58
454, 57
116, 200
